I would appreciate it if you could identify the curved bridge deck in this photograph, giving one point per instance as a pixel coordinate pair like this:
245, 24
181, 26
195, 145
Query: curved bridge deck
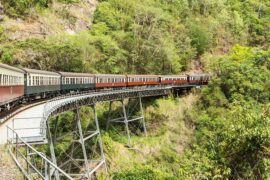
31, 123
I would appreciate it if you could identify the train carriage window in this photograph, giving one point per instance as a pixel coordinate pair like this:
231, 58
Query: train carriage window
34, 81
1, 80
44, 80
6, 79
37, 80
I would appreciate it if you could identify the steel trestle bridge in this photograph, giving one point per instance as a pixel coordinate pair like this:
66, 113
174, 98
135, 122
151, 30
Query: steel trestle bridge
33, 128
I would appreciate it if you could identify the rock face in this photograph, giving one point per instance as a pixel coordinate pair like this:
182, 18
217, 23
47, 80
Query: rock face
62, 18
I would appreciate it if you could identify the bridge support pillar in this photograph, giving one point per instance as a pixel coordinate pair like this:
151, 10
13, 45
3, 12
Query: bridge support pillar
131, 111
84, 155
52, 152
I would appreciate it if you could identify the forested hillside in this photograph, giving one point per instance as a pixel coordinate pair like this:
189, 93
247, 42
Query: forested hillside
223, 132
138, 36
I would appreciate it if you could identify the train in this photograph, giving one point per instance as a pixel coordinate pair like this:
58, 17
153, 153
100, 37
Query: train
21, 85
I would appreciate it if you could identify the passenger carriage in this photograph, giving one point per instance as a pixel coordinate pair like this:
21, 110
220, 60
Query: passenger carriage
141, 80
76, 81
199, 78
11, 86
110, 80
174, 79
41, 83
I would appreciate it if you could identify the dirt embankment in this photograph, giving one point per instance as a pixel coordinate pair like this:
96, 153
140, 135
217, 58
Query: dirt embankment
8, 169
58, 18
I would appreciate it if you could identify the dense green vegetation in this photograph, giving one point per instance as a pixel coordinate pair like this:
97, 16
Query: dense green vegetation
225, 134
150, 36
232, 119
22, 8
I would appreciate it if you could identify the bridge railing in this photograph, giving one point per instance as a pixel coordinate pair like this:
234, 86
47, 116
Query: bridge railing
32, 163
52, 104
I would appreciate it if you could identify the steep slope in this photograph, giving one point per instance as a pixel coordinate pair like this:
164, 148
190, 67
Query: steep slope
57, 19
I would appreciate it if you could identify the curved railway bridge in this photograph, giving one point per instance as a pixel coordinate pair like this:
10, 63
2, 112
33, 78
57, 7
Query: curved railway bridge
32, 127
